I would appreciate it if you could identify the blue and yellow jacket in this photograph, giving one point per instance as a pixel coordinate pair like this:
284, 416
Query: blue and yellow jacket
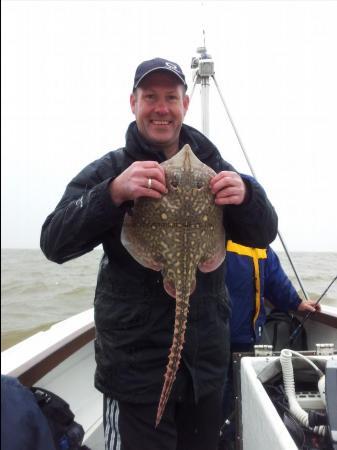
254, 274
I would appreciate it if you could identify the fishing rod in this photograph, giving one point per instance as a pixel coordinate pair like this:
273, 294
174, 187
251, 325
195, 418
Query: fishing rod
203, 70
295, 333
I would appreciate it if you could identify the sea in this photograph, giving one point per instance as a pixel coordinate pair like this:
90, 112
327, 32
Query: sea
37, 293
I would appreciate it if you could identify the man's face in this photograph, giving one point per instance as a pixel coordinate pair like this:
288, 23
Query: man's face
160, 105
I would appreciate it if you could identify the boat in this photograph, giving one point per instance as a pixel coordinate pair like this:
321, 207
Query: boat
61, 359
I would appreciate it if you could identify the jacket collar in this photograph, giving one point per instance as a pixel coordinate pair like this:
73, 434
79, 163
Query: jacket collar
139, 149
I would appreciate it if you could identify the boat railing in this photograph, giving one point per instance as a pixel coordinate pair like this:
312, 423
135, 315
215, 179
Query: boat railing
37, 355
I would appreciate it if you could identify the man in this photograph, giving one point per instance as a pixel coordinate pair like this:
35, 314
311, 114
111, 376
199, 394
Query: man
134, 316
253, 275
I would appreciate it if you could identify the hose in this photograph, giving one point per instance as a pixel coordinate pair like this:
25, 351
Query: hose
289, 385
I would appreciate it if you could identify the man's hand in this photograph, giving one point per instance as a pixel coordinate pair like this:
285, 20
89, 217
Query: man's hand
141, 179
228, 188
308, 305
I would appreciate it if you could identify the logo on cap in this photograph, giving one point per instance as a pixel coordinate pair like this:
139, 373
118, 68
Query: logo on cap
171, 66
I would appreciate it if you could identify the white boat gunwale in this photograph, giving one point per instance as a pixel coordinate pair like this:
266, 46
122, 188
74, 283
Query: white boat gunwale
34, 357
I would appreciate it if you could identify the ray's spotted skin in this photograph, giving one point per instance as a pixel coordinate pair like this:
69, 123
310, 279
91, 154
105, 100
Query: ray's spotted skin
177, 234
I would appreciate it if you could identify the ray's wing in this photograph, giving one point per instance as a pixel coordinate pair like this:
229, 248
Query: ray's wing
141, 233
215, 250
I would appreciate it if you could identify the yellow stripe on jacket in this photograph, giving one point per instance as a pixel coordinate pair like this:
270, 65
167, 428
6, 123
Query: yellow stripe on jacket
255, 254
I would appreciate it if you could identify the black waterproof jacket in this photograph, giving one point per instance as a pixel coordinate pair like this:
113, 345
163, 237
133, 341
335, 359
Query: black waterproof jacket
134, 316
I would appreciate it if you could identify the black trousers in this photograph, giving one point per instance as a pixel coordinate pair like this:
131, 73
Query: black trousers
184, 425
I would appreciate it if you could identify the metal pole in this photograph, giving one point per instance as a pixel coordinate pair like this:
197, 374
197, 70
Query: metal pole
308, 314
292, 265
205, 105
193, 88
203, 69
234, 128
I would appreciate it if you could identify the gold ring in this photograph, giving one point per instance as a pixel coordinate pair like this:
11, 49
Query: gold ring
149, 183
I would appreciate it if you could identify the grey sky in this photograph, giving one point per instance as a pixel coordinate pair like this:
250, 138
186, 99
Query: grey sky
67, 70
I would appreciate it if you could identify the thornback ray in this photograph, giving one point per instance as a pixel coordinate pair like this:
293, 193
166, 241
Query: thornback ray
177, 234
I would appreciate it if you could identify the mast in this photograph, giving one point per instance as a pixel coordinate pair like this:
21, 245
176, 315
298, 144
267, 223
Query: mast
203, 69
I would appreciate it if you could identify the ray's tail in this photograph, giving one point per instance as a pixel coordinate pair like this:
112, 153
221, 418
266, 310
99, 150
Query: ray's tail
182, 306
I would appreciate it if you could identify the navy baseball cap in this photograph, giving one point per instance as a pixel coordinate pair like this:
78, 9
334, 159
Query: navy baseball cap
147, 67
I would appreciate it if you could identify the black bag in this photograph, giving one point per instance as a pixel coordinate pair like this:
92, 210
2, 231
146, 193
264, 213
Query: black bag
67, 434
278, 329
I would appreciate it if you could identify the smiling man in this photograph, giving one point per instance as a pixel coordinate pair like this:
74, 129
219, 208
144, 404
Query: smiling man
159, 102
134, 316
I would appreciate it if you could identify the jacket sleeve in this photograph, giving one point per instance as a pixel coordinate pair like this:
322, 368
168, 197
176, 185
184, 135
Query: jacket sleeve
253, 223
278, 289
84, 214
